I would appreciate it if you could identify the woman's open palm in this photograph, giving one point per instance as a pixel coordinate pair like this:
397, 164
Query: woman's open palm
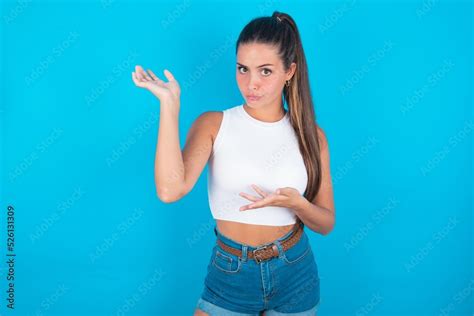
169, 91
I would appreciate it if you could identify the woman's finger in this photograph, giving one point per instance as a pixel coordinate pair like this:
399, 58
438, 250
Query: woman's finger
248, 206
253, 205
135, 79
155, 77
248, 196
142, 75
169, 75
152, 74
139, 72
267, 201
259, 191
147, 76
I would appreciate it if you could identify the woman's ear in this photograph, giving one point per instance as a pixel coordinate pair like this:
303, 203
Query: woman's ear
291, 71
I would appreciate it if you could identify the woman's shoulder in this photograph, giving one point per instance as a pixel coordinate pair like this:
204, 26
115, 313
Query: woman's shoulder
210, 122
214, 118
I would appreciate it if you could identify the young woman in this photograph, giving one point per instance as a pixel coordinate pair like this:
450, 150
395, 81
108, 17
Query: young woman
269, 175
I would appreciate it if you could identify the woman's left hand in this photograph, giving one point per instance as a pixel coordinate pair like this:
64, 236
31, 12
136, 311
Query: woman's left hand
284, 197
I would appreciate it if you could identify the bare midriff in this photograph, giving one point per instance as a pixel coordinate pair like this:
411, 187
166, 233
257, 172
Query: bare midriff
250, 234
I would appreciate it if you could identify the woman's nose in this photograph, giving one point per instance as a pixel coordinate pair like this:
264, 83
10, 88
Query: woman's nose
253, 83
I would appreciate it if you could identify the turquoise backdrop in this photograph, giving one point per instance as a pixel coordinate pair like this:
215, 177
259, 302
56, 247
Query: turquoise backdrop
392, 83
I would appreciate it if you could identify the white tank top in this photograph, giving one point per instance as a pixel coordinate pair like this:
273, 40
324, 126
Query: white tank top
249, 151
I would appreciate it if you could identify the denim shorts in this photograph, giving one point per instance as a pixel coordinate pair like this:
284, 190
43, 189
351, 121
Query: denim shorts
283, 285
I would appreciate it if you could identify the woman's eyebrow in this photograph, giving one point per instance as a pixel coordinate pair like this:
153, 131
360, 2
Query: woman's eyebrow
257, 67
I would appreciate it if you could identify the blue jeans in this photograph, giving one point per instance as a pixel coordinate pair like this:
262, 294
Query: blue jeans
283, 285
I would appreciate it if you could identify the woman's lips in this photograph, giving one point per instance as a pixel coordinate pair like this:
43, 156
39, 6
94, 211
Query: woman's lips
253, 98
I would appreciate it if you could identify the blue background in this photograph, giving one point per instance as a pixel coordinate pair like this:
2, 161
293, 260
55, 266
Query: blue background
392, 85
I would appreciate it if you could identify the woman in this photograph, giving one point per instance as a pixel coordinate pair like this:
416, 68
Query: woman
262, 263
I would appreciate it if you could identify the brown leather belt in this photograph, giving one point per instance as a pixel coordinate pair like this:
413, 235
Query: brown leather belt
270, 250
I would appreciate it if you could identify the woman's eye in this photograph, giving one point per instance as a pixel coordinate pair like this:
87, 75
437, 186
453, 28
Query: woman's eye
240, 68
268, 73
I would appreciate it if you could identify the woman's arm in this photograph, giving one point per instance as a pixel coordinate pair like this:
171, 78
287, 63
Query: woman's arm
176, 172
169, 166
319, 215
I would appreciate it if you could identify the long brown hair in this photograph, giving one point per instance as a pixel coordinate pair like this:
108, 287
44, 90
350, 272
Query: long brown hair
280, 30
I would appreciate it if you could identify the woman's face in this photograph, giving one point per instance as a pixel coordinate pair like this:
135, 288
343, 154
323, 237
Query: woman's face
260, 73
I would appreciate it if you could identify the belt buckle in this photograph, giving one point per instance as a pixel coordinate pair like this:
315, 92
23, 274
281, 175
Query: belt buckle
260, 259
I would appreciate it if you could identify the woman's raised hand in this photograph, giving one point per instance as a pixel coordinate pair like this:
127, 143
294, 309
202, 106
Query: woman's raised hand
165, 91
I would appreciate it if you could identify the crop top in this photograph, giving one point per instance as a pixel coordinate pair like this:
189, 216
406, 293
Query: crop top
249, 151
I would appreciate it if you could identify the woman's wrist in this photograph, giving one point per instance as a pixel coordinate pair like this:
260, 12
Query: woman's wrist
300, 204
170, 106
